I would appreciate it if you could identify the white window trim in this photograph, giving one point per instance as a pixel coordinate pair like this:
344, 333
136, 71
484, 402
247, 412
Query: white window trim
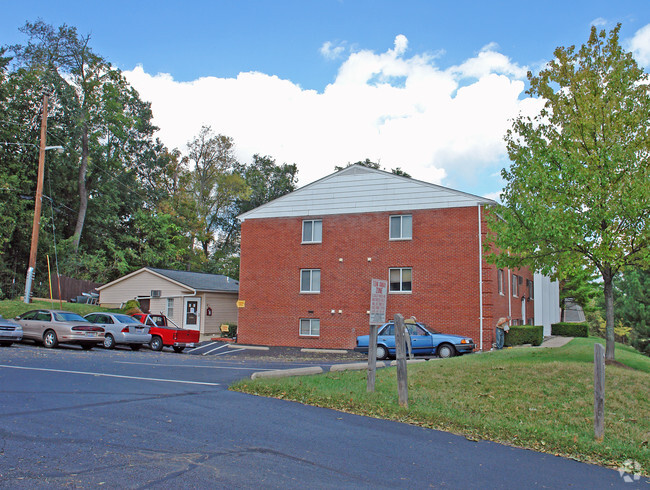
311, 320
500, 282
400, 239
302, 235
310, 282
400, 280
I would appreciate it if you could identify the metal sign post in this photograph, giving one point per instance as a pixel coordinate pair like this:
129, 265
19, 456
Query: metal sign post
378, 295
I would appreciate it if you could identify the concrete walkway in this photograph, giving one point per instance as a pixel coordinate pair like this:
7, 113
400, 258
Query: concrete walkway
555, 341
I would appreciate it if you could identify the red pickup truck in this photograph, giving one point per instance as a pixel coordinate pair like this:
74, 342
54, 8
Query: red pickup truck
163, 333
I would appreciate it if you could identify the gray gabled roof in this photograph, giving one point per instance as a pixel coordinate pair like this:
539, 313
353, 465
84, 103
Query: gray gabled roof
359, 189
200, 281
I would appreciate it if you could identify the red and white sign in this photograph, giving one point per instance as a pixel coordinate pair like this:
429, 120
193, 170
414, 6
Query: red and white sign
378, 295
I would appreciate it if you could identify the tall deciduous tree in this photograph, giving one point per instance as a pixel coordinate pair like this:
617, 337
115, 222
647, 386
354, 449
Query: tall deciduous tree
213, 183
578, 187
112, 124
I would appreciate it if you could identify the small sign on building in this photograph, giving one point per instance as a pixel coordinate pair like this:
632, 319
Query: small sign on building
241, 303
378, 295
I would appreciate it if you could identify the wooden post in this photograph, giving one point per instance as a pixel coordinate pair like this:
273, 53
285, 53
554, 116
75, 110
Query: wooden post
599, 392
372, 358
400, 356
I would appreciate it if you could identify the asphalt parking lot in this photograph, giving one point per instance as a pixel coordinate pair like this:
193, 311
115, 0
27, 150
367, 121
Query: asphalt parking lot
82, 419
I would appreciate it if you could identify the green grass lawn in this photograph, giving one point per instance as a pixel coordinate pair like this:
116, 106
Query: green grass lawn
535, 398
13, 308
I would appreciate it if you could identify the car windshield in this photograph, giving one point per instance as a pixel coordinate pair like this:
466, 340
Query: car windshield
63, 316
125, 319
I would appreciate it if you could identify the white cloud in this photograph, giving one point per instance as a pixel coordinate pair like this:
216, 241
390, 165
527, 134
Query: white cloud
640, 45
599, 22
332, 51
401, 111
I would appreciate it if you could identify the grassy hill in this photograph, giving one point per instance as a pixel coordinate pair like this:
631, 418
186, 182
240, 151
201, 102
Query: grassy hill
535, 398
12, 308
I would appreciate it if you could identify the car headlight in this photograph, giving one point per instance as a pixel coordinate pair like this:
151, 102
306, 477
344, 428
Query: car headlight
467, 341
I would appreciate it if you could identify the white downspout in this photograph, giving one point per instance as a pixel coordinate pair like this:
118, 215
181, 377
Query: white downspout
480, 278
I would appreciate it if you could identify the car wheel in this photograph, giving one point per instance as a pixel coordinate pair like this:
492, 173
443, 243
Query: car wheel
156, 343
135, 347
87, 346
178, 349
446, 350
109, 342
382, 352
50, 339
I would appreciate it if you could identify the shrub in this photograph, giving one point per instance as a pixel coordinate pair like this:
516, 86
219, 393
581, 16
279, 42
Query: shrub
565, 329
131, 306
524, 334
232, 331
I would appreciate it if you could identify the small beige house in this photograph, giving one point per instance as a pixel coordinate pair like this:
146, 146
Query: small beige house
191, 300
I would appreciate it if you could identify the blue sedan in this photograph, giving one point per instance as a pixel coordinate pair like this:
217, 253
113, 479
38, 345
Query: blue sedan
424, 341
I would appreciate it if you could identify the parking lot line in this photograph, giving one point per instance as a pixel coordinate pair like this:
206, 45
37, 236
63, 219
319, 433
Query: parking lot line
191, 366
212, 350
110, 375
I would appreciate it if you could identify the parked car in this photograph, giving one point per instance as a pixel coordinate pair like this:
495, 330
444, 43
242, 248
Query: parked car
424, 341
10, 332
54, 327
165, 333
120, 329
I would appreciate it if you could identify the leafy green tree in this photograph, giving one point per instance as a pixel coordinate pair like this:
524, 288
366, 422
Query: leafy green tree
582, 288
111, 124
577, 191
213, 183
632, 301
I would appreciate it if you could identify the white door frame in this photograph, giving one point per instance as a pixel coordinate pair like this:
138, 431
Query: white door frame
191, 326
523, 310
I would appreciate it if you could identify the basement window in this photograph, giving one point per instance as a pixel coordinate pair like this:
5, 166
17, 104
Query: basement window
309, 327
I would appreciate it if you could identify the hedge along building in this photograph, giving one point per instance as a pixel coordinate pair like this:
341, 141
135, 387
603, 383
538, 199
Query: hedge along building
191, 300
307, 260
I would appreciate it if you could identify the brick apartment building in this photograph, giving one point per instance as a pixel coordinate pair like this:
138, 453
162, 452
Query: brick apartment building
307, 260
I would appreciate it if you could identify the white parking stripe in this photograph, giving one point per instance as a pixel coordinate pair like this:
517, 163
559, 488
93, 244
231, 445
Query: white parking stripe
229, 352
201, 347
212, 350
195, 366
110, 375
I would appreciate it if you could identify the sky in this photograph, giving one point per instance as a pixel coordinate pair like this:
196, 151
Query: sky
428, 86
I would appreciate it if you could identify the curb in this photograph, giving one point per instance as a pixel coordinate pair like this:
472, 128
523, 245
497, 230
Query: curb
325, 351
284, 373
357, 366
251, 347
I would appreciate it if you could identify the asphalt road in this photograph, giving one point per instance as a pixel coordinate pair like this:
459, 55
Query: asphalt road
71, 418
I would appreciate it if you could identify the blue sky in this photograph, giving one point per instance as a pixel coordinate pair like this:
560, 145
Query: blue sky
425, 85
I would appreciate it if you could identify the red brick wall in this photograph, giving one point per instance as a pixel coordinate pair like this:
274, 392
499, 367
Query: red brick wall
443, 255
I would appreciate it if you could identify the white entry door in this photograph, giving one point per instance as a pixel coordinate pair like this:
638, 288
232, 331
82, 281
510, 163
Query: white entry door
523, 310
192, 313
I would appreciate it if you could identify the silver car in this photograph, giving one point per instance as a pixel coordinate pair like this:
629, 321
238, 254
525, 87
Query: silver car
54, 327
10, 332
121, 329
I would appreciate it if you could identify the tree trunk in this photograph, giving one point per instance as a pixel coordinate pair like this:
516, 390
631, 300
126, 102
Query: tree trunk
609, 313
83, 192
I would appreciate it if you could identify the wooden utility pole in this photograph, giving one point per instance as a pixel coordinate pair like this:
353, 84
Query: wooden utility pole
599, 392
37, 204
400, 356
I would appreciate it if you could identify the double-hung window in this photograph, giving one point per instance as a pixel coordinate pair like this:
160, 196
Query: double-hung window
170, 307
310, 327
530, 286
500, 280
401, 227
312, 231
310, 280
400, 280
